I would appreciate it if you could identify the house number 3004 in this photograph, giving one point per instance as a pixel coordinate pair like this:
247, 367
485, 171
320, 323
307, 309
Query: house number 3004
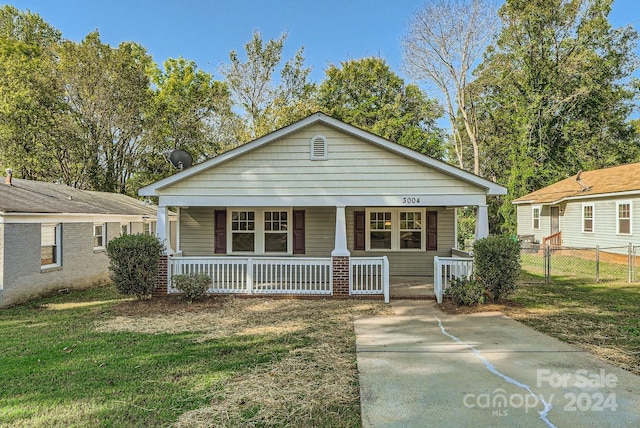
410, 200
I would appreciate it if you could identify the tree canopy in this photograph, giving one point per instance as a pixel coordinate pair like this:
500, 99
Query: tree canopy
552, 96
367, 94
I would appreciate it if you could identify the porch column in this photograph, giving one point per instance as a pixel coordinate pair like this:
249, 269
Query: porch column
163, 228
482, 222
340, 261
340, 246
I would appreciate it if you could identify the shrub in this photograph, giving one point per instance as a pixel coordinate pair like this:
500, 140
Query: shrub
133, 263
497, 264
192, 286
465, 291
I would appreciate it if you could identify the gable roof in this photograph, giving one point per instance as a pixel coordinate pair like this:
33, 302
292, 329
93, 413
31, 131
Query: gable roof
28, 196
320, 118
596, 183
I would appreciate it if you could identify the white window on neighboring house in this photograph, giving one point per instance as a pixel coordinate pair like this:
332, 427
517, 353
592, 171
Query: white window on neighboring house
624, 218
99, 235
50, 245
587, 218
536, 217
125, 228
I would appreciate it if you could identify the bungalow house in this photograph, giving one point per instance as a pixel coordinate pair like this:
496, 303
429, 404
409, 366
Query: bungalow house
53, 236
591, 208
319, 207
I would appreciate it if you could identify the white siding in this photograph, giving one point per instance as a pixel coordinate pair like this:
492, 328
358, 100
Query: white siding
604, 224
354, 167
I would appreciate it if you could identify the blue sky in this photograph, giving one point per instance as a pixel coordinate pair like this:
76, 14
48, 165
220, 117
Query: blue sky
331, 31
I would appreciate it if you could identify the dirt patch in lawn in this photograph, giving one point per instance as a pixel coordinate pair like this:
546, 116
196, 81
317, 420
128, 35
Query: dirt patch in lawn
317, 382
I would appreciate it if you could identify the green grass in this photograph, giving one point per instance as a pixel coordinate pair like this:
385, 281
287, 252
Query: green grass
567, 267
59, 369
603, 318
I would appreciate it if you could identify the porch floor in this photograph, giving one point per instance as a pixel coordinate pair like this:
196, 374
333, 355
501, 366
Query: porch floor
411, 287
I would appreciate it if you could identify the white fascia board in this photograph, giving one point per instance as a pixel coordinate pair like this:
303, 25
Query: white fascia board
71, 218
583, 196
491, 187
426, 200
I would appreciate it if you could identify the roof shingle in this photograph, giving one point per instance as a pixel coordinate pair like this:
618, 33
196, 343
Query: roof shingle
616, 179
28, 196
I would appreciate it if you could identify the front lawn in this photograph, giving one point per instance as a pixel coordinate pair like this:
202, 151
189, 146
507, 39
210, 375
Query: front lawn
602, 318
96, 359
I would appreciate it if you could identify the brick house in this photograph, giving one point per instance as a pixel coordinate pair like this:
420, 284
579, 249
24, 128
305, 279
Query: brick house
54, 237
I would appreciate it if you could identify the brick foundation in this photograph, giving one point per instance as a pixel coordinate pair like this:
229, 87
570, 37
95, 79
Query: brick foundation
341, 276
161, 280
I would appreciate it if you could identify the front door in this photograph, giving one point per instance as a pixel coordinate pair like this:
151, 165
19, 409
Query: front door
555, 220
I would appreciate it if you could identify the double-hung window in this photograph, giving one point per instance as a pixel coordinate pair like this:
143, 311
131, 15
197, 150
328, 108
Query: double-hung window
587, 218
624, 218
276, 231
536, 218
99, 235
380, 230
395, 229
260, 231
243, 231
50, 245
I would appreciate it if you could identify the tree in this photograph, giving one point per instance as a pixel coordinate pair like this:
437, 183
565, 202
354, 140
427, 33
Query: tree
188, 110
107, 91
30, 94
443, 44
553, 95
268, 104
367, 94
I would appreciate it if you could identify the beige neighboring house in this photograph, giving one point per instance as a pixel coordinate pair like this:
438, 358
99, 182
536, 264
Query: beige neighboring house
53, 237
319, 207
598, 207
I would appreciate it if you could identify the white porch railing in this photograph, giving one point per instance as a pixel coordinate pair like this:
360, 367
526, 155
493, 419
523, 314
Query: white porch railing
447, 268
282, 275
370, 275
267, 275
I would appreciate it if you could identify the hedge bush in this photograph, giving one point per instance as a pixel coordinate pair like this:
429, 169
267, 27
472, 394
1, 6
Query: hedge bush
497, 264
133, 263
193, 287
465, 291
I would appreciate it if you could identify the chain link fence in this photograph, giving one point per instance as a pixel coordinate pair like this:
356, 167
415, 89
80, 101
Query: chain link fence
595, 264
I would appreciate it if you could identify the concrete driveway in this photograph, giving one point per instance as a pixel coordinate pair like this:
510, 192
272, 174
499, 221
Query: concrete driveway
424, 368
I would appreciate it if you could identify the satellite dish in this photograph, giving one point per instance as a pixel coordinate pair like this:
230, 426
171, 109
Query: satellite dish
180, 159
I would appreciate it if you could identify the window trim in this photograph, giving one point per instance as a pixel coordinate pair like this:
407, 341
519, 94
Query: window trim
103, 236
126, 228
58, 245
535, 208
618, 218
395, 229
593, 215
259, 231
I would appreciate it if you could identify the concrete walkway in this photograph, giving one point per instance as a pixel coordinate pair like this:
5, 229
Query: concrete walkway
424, 368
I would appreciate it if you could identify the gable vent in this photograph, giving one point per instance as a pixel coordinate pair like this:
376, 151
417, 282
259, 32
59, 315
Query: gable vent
318, 148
